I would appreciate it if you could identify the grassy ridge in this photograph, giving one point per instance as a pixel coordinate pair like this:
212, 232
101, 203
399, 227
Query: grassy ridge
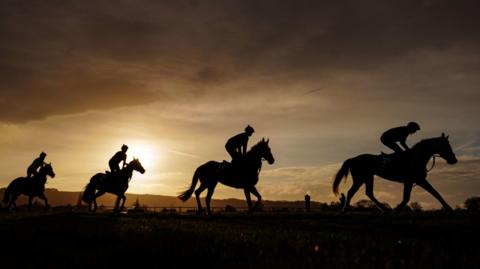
365, 240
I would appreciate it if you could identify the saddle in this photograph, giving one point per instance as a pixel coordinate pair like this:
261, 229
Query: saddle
393, 163
234, 169
109, 176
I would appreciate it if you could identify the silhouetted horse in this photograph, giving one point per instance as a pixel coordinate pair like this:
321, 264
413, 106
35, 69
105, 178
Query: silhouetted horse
211, 173
408, 168
32, 187
115, 183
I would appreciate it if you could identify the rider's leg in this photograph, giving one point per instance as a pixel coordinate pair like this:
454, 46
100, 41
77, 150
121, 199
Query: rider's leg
113, 167
232, 152
392, 145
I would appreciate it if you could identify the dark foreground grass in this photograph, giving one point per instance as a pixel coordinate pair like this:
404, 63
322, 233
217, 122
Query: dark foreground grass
356, 240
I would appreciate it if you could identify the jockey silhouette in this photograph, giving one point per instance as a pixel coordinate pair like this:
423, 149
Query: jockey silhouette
399, 134
237, 146
39, 162
117, 158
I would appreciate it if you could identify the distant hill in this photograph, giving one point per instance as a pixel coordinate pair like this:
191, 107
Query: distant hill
61, 198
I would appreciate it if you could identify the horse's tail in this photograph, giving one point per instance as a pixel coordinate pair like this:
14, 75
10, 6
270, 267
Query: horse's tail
7, 194
89, 192
184, 196
341, 174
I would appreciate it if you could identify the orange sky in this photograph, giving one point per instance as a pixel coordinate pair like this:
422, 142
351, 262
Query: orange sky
174, 80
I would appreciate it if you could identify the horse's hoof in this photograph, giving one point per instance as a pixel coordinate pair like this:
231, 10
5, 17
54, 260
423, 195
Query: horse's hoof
448, 209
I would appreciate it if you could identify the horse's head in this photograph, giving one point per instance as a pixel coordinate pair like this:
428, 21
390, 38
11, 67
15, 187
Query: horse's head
443, 148
136, 165
47, 170
265, 151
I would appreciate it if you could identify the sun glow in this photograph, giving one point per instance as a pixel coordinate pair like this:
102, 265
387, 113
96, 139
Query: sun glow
147, 153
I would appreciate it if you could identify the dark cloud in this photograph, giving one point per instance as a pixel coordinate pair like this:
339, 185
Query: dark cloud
61, 57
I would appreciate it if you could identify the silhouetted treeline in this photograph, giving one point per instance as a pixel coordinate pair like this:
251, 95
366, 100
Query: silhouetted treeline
473, 204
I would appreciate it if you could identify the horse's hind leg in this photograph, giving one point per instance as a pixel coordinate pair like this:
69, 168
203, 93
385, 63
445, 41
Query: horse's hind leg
369, 193
209, 197
98, 194
13, 200
357, 183
197, 196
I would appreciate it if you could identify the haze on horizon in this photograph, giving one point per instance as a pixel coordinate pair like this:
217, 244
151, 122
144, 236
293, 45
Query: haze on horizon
175, 79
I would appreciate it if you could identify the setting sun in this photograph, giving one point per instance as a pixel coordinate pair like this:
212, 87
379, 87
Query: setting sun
146, 152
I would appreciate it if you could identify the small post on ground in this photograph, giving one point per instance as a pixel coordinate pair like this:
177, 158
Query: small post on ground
307, 203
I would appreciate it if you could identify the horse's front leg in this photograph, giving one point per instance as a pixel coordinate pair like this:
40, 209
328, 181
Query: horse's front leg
248, 198
429, 188
259, 197
30, 200
117, 204
94, 205
407, 190
123, 202
44, 198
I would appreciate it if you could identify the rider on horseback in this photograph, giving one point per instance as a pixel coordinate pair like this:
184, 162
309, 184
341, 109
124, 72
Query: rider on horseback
39, 162
237, 146
399, 134
117, 158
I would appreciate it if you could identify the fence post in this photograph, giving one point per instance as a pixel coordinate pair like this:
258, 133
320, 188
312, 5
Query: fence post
307, 203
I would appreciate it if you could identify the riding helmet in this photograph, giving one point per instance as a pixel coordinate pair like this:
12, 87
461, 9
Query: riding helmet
249, 129
413, 126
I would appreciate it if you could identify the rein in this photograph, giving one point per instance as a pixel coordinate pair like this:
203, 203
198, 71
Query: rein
433, 163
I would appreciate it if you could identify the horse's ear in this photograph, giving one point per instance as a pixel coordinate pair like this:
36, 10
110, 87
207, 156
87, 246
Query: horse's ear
447, 136
268, 140
263, 139
443, 135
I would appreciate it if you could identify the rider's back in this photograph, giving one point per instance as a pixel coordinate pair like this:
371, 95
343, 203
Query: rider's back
396, 134
237, 140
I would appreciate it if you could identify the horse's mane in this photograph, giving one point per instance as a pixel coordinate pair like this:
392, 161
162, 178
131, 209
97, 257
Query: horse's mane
424, 142
256, 146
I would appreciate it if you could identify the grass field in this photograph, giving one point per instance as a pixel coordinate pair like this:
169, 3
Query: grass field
239, 240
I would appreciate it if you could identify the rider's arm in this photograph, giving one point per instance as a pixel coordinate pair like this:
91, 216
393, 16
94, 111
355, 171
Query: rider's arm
404, 145
124, 160
244, 148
